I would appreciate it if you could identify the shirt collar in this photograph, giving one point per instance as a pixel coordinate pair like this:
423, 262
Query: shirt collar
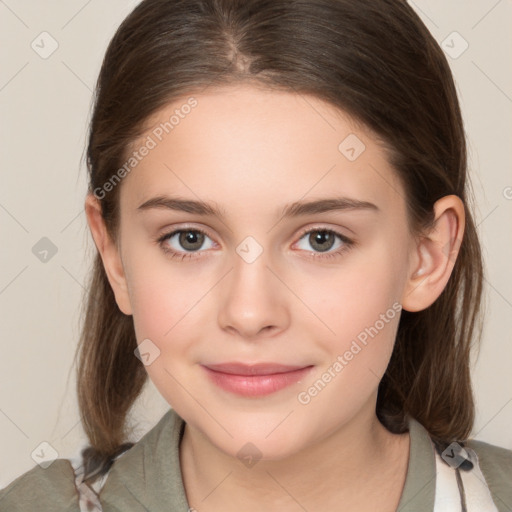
420, 482
148, 476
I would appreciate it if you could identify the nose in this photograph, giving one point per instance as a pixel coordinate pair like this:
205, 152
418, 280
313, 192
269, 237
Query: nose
253, 301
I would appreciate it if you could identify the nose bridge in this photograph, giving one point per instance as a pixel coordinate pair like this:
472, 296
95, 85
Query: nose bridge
253, 299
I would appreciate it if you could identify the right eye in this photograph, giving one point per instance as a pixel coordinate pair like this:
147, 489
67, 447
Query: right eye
183, 243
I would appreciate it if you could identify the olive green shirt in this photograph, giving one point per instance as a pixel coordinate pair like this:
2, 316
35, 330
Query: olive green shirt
147, 478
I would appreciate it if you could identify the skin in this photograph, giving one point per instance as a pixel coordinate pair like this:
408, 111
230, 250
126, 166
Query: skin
250, 152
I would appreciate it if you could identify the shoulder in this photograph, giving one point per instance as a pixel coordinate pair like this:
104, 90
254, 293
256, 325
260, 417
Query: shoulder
148, 475
492, 456
496, 465
52, 488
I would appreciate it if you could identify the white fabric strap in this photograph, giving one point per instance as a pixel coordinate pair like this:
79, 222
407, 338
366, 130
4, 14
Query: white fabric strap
88, 495
88, 499
448, 497
447, 491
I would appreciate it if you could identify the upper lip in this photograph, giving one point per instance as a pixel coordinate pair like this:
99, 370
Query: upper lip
253, 369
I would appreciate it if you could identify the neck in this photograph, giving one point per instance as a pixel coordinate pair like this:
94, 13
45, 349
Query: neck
360, 463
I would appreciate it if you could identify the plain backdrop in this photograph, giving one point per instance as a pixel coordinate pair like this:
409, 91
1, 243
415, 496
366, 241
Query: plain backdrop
46, 249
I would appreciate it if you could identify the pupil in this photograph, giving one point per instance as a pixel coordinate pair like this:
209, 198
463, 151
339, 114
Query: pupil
320, 239
191, 237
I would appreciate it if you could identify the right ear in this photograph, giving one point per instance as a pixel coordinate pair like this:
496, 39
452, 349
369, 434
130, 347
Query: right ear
109, 253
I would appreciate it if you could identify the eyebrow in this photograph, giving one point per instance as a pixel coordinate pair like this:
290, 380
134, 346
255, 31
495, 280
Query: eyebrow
295, 209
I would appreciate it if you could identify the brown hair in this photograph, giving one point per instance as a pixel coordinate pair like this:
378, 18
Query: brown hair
375, 60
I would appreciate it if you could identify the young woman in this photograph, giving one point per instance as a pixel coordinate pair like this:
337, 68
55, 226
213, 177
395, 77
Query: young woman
280, 203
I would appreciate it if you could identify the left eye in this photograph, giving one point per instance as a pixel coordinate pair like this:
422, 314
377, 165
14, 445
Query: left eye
323, 240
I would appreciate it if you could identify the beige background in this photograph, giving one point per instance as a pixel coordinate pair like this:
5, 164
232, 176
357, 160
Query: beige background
45, 104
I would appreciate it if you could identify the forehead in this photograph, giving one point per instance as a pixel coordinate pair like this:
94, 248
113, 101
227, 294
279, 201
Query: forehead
249, 146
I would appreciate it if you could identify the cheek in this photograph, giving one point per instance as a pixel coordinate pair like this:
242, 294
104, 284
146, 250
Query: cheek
163, 305
160, 295
160, 306
364, 286
356, 355
359, 307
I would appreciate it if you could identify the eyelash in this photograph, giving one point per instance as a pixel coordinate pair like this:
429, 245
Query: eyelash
348, 243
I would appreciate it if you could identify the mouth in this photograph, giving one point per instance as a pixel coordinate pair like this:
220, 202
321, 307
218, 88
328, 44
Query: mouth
255, 379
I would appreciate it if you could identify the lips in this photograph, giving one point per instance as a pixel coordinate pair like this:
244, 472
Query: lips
253, 369
255, 380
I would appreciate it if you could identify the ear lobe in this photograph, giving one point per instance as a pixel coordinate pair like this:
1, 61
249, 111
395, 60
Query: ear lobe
109, 253
435, 255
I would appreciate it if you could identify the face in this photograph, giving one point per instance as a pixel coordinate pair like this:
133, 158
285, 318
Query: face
262, 280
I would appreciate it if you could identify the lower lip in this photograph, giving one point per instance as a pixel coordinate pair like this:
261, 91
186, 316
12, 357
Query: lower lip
256, 385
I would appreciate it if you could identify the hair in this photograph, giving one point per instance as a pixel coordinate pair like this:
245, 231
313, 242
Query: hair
377, 62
